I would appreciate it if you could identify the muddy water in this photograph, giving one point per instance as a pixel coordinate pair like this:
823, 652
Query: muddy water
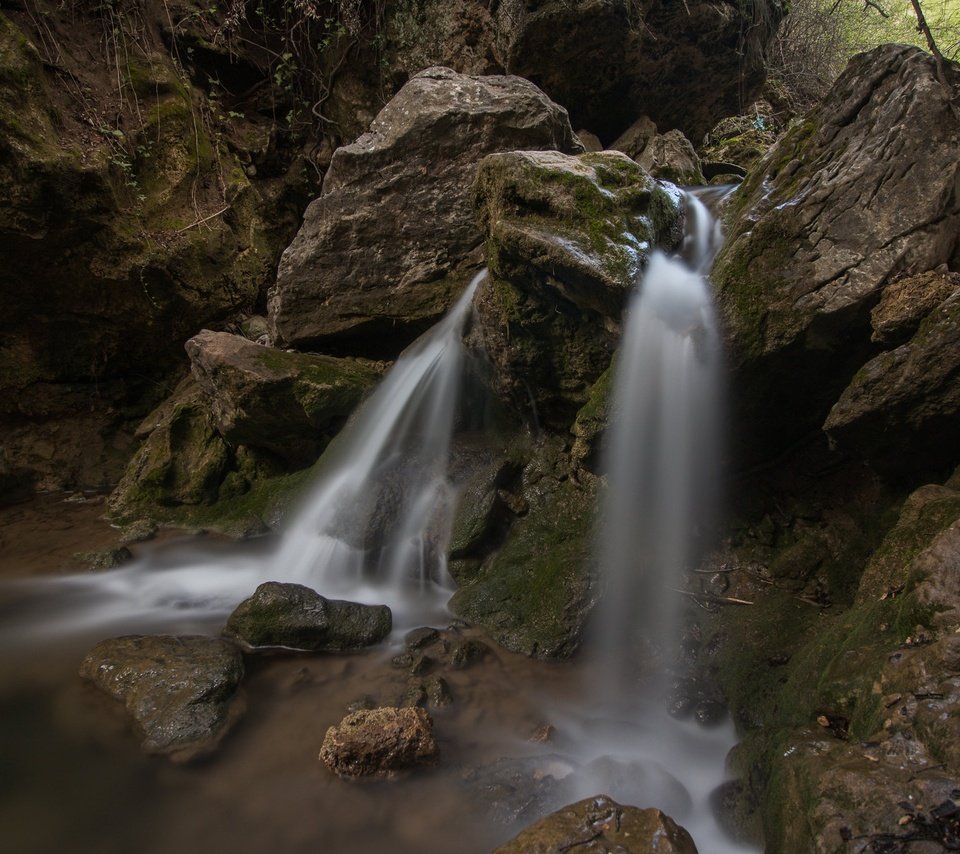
72, 777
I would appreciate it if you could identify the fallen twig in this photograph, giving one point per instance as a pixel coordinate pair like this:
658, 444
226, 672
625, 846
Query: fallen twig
706, 597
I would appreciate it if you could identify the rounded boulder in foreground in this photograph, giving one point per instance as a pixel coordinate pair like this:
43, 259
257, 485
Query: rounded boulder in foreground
379, 742
601, 824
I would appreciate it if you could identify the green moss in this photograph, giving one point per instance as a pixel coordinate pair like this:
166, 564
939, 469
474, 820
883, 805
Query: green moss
531, 595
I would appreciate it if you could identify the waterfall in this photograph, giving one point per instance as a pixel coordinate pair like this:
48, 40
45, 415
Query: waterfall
383, 510
661, 450
375, 527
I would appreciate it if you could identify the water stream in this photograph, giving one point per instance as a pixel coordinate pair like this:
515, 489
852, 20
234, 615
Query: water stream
375, 528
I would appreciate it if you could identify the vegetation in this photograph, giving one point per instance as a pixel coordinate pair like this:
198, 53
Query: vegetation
818, 37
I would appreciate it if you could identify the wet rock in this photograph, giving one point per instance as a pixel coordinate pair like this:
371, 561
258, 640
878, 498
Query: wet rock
533, 594
822, 225
419, 638
467, 652
289, 404
104, 560
901, 409
364, 274
566, 239
513, 790
182, 461
180, 691
295, 617
379, 742
601, 824
710, 713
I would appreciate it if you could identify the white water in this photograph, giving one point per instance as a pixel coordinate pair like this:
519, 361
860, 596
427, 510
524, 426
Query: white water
374, 528
661, 459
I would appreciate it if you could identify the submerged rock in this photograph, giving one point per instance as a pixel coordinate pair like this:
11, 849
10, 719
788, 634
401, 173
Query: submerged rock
180, 691
295, 617
601, 824
859, 192
391, 242
511, 790
379, 742
289, 404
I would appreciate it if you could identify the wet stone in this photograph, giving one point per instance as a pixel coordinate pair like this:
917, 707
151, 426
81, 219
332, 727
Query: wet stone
601, 824
292, 616
182, 692
421, 664
419, 638
709, 713
438, 692
379, 742
402, 661
466, 652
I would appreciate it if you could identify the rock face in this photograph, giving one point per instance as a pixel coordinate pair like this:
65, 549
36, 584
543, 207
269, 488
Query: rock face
601, 824
392, 241
861, 192
379, 742
288, 404
686, 66
296, 617
108, 269
180, 691
902, 409
566, 239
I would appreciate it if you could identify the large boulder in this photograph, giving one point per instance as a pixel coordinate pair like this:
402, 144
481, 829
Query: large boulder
567, 238
392, 240
862, 191
669, 156
686, 65
180, 691
290, 404
601, 824
295, 617
379, 742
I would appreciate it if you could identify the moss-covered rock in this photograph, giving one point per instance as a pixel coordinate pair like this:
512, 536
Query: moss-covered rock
288, 404
566, 239
295, 617
532, 591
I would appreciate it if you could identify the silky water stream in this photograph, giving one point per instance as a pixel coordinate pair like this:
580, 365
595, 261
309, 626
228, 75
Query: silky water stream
72, 778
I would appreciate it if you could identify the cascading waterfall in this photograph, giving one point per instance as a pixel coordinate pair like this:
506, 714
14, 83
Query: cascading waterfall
375, 526
661, 451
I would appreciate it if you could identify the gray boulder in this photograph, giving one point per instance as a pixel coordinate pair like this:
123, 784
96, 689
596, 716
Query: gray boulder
295, 617
392, 240
902, 409
859, 193
180, 691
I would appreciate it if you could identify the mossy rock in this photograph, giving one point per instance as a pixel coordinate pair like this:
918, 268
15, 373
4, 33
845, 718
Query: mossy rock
567, 238
532, 595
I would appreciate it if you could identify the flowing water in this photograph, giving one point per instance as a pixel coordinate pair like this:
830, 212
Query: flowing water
375, 529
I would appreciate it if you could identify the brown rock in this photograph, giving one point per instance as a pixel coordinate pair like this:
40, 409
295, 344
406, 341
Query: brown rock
600, 824
905, 302
379, 742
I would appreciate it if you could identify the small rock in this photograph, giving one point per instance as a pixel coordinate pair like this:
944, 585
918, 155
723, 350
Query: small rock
419, 638
438, 692
402, 661
107, 559
421, 664
295, 617
709, 712
542, 734
415, 696
467, 652
379, 742
364, 703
